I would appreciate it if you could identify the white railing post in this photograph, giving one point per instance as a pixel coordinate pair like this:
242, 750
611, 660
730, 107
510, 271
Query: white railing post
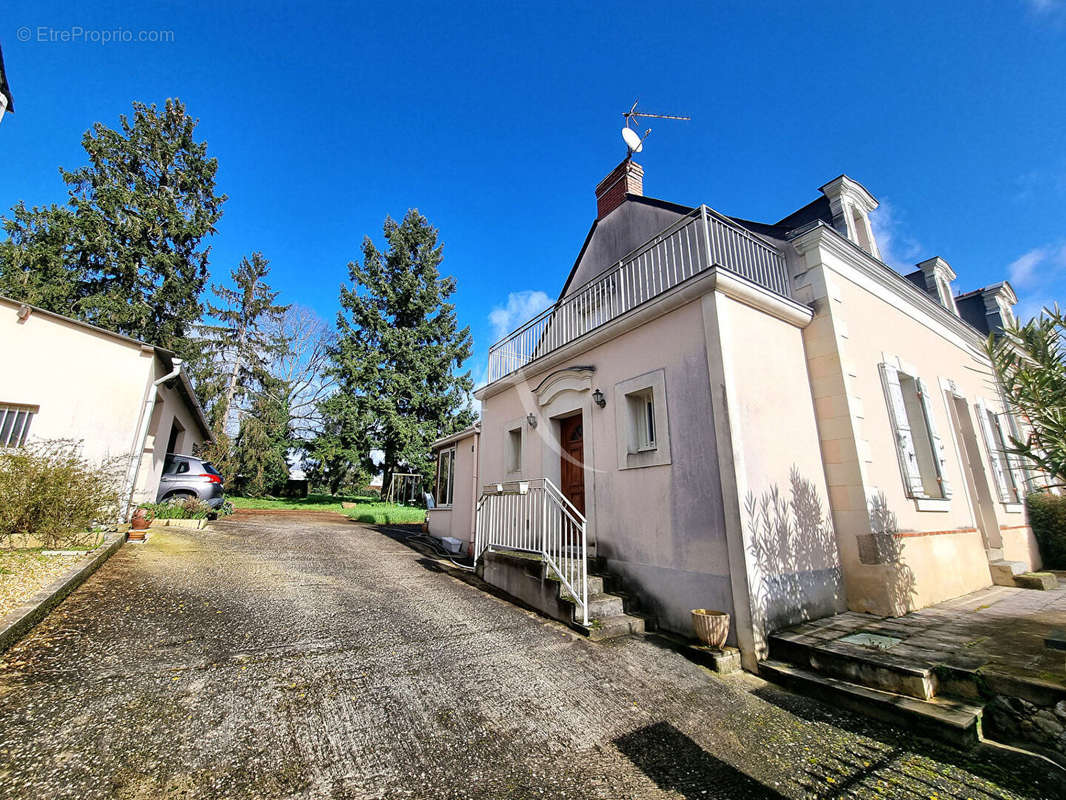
510, 517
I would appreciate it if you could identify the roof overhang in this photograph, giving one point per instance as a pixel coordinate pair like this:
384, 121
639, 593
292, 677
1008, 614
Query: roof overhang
458, 436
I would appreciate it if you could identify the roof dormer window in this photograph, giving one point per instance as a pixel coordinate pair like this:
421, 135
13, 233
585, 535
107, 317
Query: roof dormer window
938, 275
851, 205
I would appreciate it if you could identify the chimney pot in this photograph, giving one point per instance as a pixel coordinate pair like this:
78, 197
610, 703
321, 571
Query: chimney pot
626, 178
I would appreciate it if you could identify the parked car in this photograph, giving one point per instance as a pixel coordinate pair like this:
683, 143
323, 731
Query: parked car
189, 476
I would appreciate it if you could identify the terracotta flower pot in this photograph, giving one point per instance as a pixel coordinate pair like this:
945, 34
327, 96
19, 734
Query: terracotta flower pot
712, 627
139, 523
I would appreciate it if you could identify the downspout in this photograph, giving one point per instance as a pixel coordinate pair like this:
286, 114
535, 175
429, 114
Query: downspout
141, 437
474, 488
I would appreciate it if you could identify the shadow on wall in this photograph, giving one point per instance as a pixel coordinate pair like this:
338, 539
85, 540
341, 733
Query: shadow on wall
883, 546
794, 550
678, 764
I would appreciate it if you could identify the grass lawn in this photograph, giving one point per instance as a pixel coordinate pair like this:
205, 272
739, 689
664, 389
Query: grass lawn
368, 507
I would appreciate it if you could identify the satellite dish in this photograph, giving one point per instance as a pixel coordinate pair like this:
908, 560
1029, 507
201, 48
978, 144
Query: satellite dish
632, 139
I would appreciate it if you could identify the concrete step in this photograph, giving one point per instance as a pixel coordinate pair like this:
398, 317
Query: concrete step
939, 719
1042, 581
605, 605
612, 627
1003, 572
852, 663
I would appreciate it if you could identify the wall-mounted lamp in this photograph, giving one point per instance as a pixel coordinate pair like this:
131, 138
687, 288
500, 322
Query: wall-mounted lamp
531, 418
599, 399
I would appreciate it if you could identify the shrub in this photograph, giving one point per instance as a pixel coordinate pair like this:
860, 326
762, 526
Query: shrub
1047, 515
185, 508
49, 492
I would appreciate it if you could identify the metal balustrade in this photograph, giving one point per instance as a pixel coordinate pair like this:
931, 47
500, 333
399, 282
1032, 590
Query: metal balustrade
534, 517
699, 241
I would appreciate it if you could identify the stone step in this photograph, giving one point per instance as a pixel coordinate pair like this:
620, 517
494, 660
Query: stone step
612, 627
605, 605
852, 663
1003, 572
939, 718
1042, 581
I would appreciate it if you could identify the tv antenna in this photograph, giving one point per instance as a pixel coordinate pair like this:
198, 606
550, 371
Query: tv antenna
634, 141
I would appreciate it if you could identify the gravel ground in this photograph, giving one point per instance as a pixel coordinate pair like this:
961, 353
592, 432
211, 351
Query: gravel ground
290, 656
23, 572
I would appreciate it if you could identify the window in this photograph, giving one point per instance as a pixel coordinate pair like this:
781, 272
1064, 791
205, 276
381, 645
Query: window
642, 419
918, 446
641, 423
15, 424
1005, 470
445, 477
514, 450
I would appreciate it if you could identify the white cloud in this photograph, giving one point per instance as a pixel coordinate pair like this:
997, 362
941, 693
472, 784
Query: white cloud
1038, 277
1021, 270
521, 306
898, 248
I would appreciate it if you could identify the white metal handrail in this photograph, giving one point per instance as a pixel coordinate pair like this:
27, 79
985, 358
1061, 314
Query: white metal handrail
535, 517
699, 241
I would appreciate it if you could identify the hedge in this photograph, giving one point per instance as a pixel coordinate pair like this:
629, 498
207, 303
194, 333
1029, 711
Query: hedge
1047, 516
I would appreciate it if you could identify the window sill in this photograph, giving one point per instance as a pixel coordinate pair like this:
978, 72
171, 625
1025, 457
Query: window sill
931, 504
439, 508
1013, 508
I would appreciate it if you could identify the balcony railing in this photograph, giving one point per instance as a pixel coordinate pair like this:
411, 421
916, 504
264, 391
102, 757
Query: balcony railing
699, 241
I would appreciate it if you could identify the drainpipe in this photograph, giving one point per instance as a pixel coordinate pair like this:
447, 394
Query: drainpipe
147, 407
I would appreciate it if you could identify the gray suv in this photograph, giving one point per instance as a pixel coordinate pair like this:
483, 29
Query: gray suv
189, 476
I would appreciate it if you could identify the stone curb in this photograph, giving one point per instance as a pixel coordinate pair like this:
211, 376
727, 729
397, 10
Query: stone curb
20, 621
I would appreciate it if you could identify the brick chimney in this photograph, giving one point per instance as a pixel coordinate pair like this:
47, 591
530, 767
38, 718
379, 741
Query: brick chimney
626, 178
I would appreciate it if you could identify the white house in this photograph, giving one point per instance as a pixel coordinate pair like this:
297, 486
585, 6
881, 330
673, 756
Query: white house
760, 418
123, 399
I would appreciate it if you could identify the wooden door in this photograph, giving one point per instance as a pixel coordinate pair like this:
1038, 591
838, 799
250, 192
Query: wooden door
572, 471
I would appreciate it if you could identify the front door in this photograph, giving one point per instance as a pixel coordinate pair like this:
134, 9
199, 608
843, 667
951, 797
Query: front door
572, 471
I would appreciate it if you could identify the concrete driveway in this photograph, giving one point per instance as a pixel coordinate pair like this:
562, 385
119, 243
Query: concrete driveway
290, 656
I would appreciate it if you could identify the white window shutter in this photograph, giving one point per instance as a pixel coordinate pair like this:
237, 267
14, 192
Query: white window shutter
897, 412
990, 445
1014, 464
939, 452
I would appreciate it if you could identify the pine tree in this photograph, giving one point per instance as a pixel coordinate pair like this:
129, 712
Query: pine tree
237, 353
398, 348
132, 244
35, 262
263, 443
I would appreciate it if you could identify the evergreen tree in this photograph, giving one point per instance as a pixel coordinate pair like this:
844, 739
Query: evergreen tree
398, 348
337, 456
133, 242
36, 266
262, 445
236, 354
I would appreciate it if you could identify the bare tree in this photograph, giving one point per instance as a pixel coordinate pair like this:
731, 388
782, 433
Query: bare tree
302, 368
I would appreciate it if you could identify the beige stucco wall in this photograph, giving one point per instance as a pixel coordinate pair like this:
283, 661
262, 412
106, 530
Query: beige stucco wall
858, 325
90, 386
659, 527
784, 532
457, 521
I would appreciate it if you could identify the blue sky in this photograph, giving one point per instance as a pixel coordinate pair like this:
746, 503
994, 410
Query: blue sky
498, 120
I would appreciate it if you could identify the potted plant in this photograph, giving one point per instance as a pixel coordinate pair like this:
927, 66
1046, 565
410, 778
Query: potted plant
139, 523
712, 627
